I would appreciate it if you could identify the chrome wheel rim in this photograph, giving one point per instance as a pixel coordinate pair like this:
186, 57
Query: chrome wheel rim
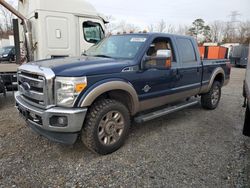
215, 95
111, 127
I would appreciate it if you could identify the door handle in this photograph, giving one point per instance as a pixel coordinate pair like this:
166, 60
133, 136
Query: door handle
176, 74
175, 71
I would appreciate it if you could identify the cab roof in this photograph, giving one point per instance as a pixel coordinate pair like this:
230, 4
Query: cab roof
28, 7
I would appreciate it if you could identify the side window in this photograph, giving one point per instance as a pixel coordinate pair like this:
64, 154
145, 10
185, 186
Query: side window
161, 44
92, 32
160, 54
186, 50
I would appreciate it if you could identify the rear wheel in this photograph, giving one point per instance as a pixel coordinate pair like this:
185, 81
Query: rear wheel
107, 126
211, 99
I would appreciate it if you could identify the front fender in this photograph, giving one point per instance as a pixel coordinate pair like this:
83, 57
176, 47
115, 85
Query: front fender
102, 87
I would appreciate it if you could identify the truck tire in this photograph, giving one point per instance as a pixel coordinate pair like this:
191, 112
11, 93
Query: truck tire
106, 127
211, 99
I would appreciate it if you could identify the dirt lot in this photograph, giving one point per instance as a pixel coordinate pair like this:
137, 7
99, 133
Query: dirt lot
190, 148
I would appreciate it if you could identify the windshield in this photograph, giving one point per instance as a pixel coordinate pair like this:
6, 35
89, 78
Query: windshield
5, 50
118, 46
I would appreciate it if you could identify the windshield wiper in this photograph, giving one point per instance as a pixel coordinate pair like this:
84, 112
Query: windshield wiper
101, 55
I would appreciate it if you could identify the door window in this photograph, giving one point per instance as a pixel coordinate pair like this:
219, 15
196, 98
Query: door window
160, 44
186, 50
92, 32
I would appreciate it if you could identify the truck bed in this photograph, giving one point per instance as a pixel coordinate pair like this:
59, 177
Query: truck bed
8, 68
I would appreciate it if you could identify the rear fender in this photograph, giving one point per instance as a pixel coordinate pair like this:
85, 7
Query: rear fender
216, 72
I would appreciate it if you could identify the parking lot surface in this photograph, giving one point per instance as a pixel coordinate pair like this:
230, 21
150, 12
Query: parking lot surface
190, 148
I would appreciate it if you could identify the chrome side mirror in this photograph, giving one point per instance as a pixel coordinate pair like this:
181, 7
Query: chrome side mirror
163, 53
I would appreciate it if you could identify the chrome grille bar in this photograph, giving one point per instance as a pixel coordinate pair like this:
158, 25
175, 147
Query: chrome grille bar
32, 81
35, 84
31, 94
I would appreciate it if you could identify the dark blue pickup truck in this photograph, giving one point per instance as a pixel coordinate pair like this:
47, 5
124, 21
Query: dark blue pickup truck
140, 76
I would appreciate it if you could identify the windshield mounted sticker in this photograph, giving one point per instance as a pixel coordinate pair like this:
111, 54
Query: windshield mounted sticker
138, 39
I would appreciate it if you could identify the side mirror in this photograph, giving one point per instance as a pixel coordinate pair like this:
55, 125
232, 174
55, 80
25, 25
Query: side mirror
162, 60
163, 53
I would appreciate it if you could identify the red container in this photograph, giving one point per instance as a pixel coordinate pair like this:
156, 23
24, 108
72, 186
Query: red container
216, 52
202, 51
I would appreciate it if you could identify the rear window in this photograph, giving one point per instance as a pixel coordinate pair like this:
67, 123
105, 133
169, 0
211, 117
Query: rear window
186, 50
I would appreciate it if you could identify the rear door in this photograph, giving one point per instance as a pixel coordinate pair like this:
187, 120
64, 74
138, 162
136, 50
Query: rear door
91, 32
190, 70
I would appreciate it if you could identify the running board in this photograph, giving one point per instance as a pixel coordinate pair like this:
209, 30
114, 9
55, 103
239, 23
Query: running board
155, 114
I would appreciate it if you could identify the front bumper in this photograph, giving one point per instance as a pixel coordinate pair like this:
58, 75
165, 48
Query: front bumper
5, 58
39, 120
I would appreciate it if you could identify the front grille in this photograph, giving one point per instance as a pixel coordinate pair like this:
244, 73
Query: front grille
32, 88
36, 88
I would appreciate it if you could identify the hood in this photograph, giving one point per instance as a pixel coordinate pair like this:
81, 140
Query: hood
83, 66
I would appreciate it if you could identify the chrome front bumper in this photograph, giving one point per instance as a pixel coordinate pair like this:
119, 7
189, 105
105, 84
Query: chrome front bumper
32, 114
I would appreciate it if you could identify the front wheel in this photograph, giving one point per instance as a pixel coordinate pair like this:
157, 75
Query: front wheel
107, 126
211, 99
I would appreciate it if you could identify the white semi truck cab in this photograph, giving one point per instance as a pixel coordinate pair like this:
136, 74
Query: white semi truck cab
59, 28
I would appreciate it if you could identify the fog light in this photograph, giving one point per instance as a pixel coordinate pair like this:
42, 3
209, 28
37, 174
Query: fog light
59, 121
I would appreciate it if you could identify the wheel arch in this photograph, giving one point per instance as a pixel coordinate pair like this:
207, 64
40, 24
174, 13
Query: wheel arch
119, 90
217, 75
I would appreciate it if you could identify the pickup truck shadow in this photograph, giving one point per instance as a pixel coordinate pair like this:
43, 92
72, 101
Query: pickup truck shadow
138, 130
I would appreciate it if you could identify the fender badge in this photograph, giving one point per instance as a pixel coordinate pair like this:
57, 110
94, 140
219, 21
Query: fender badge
146, 88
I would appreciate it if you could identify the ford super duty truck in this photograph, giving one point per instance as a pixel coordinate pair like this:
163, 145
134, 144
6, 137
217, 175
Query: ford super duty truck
123, 77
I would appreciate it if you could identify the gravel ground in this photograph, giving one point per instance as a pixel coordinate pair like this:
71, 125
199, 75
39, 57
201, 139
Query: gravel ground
190, 148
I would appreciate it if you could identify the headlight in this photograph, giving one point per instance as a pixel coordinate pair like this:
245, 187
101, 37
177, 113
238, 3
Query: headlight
67, 89
5, 55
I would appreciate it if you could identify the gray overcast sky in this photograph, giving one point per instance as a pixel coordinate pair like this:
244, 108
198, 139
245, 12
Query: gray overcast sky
143, 13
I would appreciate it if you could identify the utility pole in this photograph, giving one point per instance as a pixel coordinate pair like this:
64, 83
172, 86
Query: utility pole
233, 24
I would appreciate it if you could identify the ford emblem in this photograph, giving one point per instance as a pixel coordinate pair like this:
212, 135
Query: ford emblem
26, 86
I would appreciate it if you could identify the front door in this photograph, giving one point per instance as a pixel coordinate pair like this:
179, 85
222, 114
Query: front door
155, 84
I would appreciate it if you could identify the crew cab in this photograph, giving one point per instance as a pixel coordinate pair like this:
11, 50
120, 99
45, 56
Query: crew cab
123, 77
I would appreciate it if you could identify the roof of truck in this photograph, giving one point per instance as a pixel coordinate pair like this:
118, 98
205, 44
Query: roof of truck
28, 7
155, 34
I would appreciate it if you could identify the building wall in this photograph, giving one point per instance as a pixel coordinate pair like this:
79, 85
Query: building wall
7, 42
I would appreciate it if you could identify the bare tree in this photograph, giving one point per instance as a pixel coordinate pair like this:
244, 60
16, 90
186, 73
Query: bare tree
111, 26
244, 32
170, 29
182, 30
161, 27
124, 27
217, 28
6, 28
151, 28
227, 33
